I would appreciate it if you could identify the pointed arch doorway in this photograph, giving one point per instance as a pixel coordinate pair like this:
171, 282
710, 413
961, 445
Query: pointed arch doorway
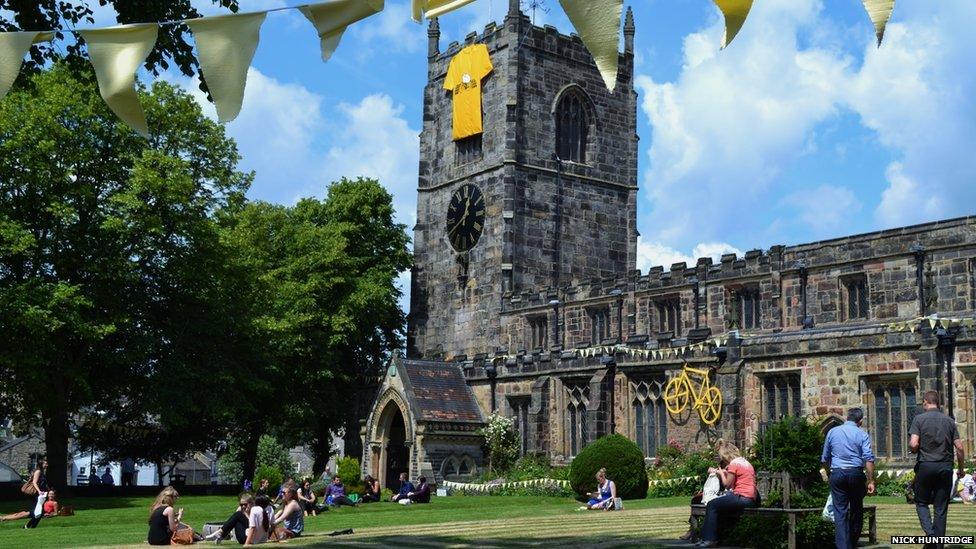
394, 454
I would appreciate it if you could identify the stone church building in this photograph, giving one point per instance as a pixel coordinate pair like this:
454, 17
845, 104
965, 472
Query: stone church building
547, 269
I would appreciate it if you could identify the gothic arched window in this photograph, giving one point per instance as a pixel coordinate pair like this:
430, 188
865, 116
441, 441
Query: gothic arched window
572, 127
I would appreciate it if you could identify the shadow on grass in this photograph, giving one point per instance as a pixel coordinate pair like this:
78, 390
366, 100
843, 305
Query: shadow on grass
604, 541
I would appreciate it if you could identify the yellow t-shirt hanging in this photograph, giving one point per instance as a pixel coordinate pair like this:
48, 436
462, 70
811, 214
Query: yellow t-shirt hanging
468, 68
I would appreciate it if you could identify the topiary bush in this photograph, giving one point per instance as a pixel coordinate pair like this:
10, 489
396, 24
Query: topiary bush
791, 444
349, 471
623, 461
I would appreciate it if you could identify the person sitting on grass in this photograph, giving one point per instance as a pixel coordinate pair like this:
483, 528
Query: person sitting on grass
307, 497
291, 518
281, 489
967, 488
335, 494
164, 521
51, 509
372, 492
421, 494
606, 493
237, 523
405, 488
263, 486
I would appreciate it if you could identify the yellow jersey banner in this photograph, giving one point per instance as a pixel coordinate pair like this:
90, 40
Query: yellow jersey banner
468, 68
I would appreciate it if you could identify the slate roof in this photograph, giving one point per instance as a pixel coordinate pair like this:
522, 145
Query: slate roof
439, 392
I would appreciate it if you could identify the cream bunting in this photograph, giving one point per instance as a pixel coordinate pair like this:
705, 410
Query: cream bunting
331, 19
598, 25
13, 47
226, 46
880, 13
435, 8
735, 12
117, 53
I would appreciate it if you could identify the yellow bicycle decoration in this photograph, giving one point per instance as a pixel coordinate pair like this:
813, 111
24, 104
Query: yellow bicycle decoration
705, 397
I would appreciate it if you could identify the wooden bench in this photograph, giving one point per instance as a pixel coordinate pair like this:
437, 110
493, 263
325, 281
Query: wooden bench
766, 484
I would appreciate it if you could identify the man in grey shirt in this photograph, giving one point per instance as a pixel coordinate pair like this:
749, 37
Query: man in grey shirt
933, 437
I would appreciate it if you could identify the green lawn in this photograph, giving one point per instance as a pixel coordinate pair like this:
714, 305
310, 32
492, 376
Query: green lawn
481, 521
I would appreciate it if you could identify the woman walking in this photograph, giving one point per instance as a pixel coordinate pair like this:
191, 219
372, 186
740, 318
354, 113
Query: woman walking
39, 480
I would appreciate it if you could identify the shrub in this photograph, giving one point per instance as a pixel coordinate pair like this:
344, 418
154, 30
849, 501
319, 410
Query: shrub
318, 487
349, 472
549, 489
687, 487
270, 453
623, 461
274, 476
348, 469
791, 444
812, 531
502, 441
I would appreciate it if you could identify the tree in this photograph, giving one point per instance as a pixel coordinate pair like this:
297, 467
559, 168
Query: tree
320, 281
110, 264
270, 453
58, 15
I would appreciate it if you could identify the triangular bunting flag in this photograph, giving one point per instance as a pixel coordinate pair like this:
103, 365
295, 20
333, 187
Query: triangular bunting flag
880, 13
331, 19
13, 47
117, 53
435, 8
968, 323
933, 322
598, 25
226, 46
735, 12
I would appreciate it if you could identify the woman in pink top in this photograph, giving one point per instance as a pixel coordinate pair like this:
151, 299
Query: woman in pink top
736, 474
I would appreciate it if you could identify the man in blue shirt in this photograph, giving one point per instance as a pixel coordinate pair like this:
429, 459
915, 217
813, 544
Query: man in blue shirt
405, 488
847, 451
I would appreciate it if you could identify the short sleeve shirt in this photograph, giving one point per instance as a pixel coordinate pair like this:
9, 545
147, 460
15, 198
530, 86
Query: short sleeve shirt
464, 75
255, 521
936, 432
745, 477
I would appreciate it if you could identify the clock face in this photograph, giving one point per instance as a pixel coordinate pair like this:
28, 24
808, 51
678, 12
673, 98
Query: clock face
465, 217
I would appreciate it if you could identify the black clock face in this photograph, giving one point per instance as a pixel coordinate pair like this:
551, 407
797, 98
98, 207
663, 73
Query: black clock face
465, 217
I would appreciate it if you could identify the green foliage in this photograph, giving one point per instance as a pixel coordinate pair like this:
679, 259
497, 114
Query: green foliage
110, 268
812, 532
791, 444
502, 441
549, 489
623, 461
318, 487
688, 488
172, 45
270, 453
274, 476
348, 470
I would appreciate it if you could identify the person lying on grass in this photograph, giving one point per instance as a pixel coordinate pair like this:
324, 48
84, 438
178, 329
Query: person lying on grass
51, 509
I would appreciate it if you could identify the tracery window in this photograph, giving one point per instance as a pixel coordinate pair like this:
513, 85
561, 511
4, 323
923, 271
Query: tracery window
572, 127
650, 415
577, 401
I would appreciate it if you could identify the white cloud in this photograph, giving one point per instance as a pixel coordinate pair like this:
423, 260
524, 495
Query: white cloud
824, 209
376, 141
652, 254
728, 129
393, 27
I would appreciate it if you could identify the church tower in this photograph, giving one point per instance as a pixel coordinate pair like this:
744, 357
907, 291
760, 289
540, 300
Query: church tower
539, 196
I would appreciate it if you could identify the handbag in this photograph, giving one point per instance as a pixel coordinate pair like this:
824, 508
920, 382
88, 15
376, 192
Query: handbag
28, 488
182, 536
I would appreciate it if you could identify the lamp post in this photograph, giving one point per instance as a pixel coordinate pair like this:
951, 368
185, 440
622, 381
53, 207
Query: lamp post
611, 365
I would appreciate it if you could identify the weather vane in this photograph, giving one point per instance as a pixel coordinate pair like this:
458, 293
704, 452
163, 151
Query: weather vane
535, 5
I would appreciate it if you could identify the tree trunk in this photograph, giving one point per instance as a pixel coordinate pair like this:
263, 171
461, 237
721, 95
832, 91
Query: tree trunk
159, 473
250, 456
56, 444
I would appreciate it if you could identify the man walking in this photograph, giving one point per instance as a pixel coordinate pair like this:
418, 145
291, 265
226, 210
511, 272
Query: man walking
933, 436
847, 451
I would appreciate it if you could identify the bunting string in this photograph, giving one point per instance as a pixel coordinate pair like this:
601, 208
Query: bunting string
98, 423
638, 353
226, 44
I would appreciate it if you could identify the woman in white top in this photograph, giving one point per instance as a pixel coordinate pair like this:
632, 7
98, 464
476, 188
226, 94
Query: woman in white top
259, 521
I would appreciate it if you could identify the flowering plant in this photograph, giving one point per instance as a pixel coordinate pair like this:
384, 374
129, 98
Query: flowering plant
502, 441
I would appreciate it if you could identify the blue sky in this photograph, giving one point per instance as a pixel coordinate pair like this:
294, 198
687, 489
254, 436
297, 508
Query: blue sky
801, 130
